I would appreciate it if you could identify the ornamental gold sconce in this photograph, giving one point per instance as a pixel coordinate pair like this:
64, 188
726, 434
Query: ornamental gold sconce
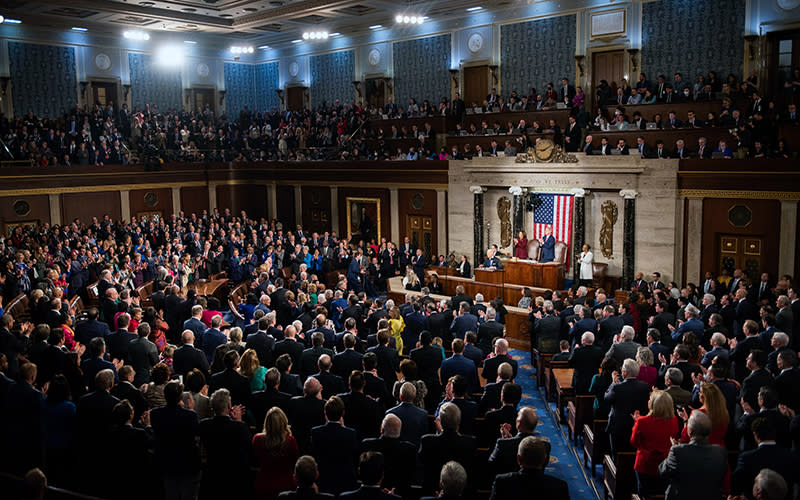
493, 70
388, 83
579, 62
751, 48
357, 85
221, 97
454, 78
126, 89
634, 67
84, 86
280, 94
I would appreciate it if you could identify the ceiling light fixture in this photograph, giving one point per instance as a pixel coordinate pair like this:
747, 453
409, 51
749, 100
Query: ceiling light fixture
297, 41
475, 9
315, 35
79, 28
403, 19
242, 50
263, 47
13, 21
2, 19
376, 26
190, 42
136, 35
335, 34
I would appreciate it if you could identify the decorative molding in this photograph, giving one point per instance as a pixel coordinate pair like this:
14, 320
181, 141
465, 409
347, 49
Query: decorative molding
629, 194
607, 24
749, 195
578, 192
477, 189
515, 190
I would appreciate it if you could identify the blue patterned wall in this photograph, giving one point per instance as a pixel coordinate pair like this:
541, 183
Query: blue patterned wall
535, 53
422, 69
693, 37
332, 77
240, 84
151, 84
265, 84
43, 79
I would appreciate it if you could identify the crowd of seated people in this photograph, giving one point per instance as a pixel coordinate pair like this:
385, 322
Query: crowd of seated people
726, 347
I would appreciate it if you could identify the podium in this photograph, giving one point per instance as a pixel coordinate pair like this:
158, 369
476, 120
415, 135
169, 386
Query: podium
530, 273
490, 275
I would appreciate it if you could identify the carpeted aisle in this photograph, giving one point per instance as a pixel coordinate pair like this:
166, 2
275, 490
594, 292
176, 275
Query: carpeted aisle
564, 463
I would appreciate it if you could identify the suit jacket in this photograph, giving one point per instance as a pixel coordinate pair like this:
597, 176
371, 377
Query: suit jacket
294, 349
186, 358
118, 343
546, 332
262, 402
309, 359
305, 413
368, 493
491, 400
462, 324
305, 494
435, 450
87, 330
142, 356
608, 328
686, 368
400, 458
738, 357
783, 321
263, 344
196, 326
585, 361
520, 484
428, 359
623, 350
680, 396
504, 454
491, 365
415, 422
767, 456
175, 430
335, 448
236, 383
347, 361
227, 448
695, 470
625, 398
388, 364
331, 384
787, 384
92, 366
211, 339
361, 414
457, 364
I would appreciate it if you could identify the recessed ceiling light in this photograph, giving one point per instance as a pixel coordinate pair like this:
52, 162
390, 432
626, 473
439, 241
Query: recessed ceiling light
147, 4
376, 26
297, 41
190, 42
226, 15
263, 47
188, 9
475, 9
13, 21
250, 9
335, 34
79, 28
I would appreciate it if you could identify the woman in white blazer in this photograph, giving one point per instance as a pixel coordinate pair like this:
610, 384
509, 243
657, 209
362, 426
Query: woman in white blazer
585, 258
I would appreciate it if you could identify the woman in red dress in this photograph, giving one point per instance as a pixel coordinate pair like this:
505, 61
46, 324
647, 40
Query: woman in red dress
651, 437
521, 246
276, 451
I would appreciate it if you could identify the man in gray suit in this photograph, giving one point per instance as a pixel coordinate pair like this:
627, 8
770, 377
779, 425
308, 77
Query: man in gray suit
627, 348
142, 355
695, 470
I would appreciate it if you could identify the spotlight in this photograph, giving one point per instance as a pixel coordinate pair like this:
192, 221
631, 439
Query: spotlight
315, 35
399, 19
12, 21
80, 29
136, 35
2, 19
406, 19
474, 9
170, 56
305, 36
376, 26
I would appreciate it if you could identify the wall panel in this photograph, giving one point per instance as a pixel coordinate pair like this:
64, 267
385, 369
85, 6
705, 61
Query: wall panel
151, 200
84, 206
12, 210
194, 199
43, 79
421, 69
238, 197
153, 84
332, 77
316, 208
406, 201
240, 85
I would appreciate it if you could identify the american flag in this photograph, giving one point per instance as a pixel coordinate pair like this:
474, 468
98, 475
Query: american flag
555, 210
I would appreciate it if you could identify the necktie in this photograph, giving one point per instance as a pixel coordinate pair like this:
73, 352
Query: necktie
763, 285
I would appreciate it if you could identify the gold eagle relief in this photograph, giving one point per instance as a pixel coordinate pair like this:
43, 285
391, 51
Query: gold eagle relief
610, 213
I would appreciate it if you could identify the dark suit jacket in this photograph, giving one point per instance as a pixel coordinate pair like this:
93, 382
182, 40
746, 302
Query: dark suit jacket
491, 396
753, 383
335, 448
388, 364
347, 361
175, 430
188, 357
494, 419
504, 454
782, 460
490, 367
263, 401
585, 361
462, 324
294, 349
457, 364
695, 470
304, 414
236, 383
87, 330
227, 448
520, 484
361, 414
788, 386
486, 332
415, 422
304, 494
400, 458
263, 344
428, 359
309, 359
118, 344
368, 493
143, 356
625, 398
331, 384
437, 449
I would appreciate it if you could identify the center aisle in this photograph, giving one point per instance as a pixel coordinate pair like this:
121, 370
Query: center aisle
563, 462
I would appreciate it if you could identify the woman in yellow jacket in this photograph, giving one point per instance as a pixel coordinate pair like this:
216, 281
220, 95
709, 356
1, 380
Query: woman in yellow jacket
396, 327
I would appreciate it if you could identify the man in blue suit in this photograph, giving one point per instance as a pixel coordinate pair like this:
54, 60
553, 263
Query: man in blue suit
625, 396
196, 325
692, 324
335, 447
548, 245
213, 337
464, 322
87, 330
767, 455
414, 419
458, 364
354, 273
491, 258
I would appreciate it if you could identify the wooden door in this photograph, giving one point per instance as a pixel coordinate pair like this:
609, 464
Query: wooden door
104, 93
203, 98
294, 97
375, 91
608, 66
741, 252
476, 84
783, 56
284, 198
420, 231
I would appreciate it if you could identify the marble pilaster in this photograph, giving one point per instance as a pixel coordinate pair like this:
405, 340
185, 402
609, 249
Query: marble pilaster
516, 217
578, 226
629, 235
694, 240
788, 237
477, 229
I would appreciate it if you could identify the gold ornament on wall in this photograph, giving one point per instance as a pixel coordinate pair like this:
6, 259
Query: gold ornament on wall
610, 212
504, 214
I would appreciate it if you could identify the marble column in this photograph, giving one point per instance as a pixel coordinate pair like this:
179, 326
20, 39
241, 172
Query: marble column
272, 201
441, 216
394, 211
212, 197
694, 239
176, 200
629, 236
477, 207
335, 209
298, 205
578, 228
788, 238
125, 204
55, 208
516, 218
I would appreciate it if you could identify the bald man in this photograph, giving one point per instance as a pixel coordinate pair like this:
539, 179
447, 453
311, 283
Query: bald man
500, 356
187, 356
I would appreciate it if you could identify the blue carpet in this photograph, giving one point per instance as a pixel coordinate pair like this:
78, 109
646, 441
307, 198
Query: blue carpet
564, 462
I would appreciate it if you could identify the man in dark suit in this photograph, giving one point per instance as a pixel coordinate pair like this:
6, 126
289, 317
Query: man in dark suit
212, 338
371, 471
188, 357
546, 329
262, 343
625, 396
195, 324
464, 322
119, 341
306, 412
680, 360
347, 360
472, 351
787, 383
142, 355
740, 352
784, 318
335, 447
489, 330
533, 456
780, 343
306, 475
491, 398
414, 419
226, 442
656, 347
608, 327
23, 429
766, 455
416, 322
457, 364
263, 401
447, 444
97, 362
310, 357
291, 346
91, 328
696, 469
584, 323
510, 396
231, 379
503, 458
428, 359
125, 390
661, 321
585, 361
331, 384
387, 358
360, 411
489, 372
400, 456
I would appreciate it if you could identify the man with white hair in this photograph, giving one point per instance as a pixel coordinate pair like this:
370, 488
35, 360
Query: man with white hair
719, 345
779, 342
478, 308
400, 456
708, 308
625, 396
447, 444
415, 420
626, 348
585, 361
692, 324
784, 317
769, 485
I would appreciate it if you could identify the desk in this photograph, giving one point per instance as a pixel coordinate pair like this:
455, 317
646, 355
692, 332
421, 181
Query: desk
669, 136
493, 276
440, 124
215, 288
530, 273
442, 271
564, 390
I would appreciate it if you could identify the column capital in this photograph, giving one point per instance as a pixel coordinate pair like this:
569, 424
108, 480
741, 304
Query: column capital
629, 194
578, 192
477, 189
516, 190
